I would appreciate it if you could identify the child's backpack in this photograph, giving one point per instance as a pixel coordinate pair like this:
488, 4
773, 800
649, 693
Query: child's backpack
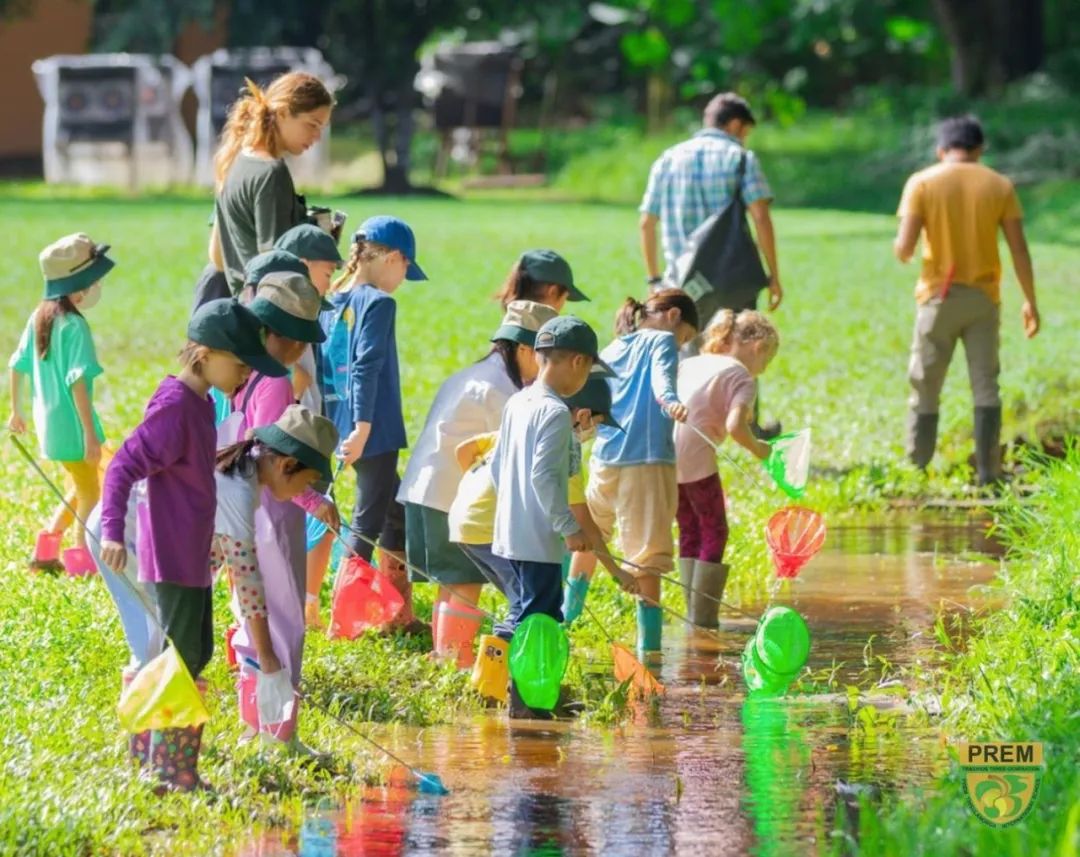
334, 370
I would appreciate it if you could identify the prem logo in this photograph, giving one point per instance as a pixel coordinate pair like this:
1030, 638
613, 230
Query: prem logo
1001, 779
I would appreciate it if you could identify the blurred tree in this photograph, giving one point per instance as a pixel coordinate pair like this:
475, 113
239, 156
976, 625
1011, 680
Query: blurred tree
145, 26
10, 10
374, 44
992, 42
785, 53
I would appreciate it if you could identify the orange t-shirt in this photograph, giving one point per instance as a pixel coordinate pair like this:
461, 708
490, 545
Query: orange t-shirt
962, 205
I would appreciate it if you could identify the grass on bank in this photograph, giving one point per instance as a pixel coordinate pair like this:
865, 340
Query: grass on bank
1017, 678
845, 329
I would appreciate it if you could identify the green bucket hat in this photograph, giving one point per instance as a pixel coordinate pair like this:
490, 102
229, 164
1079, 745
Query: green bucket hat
547, 266
307, 241
596, 396
72, 264
307, 437
521, 321
569, 333
226, 325
289, 305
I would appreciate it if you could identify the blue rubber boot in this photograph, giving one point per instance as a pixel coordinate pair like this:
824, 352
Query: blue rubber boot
649, 627
577, 589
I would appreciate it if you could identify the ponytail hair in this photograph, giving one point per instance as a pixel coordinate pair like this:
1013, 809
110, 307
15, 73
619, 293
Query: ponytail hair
45, 317
633, 312
252, 120
718, 335
242, 458
359, 252
748, 326
507, 349
519, 285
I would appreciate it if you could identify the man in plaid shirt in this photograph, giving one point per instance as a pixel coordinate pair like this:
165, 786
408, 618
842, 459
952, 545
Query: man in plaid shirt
696, 178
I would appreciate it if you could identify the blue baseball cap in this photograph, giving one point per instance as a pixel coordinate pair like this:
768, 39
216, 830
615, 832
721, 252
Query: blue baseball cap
394, 233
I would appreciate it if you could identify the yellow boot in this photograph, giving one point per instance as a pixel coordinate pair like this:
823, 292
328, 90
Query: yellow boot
490, 673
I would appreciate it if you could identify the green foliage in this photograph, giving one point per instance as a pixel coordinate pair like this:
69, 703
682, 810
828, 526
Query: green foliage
784, 54
145, 26
1017, 679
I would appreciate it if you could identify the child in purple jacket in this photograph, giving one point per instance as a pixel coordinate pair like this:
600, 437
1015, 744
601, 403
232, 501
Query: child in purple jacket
173, 449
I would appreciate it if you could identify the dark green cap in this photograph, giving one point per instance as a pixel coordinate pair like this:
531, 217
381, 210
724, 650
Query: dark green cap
596, 396
569, 333
307, 437
272, 262
276, 262
307, 241
289, 306
224, 324
547, 266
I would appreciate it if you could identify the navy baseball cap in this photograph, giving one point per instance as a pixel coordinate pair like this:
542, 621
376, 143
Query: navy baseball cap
394, 233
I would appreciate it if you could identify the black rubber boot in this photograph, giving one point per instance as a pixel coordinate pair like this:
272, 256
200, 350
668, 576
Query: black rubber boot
518, 710
922, 438
988, 445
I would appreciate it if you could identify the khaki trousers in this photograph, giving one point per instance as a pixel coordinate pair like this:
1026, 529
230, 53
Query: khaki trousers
965, 314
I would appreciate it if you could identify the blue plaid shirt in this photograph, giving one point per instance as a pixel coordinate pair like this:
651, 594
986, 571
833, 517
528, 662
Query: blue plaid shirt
694, 180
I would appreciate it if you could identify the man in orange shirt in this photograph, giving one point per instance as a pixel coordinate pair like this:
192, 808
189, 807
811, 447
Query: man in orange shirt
958, 205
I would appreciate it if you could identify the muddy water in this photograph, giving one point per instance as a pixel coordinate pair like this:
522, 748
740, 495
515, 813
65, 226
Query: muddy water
707, 771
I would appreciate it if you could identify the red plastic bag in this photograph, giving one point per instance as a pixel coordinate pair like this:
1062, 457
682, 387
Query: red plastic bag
364, 598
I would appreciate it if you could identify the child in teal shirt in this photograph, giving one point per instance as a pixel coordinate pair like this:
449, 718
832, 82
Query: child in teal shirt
56, 353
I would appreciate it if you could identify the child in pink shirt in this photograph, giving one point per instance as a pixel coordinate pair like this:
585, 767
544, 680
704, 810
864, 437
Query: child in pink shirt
288, 305
718, 388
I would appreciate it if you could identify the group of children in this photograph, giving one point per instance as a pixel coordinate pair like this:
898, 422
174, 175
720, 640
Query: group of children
494, 491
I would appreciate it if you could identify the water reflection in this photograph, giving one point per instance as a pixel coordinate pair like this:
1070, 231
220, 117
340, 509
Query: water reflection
707, 771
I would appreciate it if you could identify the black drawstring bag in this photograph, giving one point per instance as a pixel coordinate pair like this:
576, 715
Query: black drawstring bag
722, 269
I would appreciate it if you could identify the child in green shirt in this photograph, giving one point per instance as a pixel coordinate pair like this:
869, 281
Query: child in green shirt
56, 352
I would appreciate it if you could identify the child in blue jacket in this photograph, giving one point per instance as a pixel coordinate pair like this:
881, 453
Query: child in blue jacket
361, 386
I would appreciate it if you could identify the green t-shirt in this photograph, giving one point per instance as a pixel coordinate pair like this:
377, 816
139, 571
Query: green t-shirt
255, 206
71, 357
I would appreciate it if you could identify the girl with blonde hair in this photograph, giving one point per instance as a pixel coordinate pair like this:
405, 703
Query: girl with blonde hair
718, 387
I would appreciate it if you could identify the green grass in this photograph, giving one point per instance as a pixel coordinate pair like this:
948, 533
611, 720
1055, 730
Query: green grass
1016, 679
844, 327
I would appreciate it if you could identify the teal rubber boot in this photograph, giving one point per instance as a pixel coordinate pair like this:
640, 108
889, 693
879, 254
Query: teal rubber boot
649, 627
577, 590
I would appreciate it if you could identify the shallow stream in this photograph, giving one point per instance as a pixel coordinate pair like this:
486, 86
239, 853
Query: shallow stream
706, 771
